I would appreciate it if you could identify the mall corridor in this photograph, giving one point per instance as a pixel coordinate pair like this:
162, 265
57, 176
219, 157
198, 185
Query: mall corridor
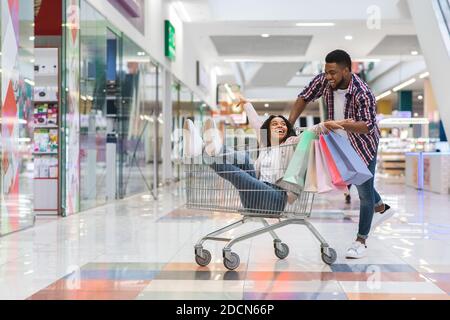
132, 132
139, 248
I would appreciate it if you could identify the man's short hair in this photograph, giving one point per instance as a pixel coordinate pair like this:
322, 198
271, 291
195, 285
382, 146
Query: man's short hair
339, 57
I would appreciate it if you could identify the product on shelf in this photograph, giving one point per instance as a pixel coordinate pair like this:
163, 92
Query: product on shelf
46, 114
46, 167
52, 114
53, 140
45, 93
46, 69
40, 114
45, 140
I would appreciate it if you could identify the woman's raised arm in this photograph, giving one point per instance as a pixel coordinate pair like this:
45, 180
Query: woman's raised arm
253, 117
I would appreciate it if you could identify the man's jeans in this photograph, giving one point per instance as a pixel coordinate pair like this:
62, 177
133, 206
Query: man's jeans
369, 198
256, 196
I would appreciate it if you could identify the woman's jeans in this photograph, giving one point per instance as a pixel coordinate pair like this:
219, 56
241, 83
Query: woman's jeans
256, 196
369, 198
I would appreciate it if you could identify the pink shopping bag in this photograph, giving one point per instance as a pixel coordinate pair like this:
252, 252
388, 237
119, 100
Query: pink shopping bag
324, 183
334, 172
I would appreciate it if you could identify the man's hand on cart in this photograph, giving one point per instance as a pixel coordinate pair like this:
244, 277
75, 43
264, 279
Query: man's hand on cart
336, 125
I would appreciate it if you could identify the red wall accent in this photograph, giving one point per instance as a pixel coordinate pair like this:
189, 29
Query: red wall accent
49, 20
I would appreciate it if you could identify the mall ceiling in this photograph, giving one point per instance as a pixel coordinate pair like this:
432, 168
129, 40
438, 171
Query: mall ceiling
236, 33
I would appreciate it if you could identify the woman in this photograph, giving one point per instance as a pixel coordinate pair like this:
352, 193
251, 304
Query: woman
256, 182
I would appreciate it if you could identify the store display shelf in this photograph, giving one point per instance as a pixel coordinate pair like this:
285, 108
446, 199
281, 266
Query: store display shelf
45, 75
49, 126
46, 153
44, 101
45, 178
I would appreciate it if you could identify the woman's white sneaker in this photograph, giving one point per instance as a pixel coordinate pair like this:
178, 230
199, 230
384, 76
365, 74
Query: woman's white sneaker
213, 138
356, 251
192, 140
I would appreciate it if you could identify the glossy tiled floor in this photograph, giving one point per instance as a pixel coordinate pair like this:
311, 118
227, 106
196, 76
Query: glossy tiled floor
143, 249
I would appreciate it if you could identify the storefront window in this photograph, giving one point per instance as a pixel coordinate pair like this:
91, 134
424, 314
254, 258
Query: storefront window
139, 119
93, 124
16, 115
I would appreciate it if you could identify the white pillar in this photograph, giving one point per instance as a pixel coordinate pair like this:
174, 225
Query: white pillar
435, 44
167, 126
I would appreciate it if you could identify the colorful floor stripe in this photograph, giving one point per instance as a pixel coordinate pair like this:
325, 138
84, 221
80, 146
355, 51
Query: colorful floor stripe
128, 281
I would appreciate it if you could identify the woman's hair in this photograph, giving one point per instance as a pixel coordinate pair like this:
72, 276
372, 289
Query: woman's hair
266, 126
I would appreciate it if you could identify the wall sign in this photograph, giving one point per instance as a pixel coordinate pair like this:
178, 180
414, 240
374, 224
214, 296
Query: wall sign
170, 47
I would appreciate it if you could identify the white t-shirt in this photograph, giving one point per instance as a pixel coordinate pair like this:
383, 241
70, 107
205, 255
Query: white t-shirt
339, 108
270, 160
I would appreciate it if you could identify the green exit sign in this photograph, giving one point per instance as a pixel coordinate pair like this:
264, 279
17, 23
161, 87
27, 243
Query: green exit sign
170, 47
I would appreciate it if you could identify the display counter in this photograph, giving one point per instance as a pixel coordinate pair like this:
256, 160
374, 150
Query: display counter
429, 171
391, 154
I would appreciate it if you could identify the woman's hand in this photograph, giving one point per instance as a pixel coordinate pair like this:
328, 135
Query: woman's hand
242, 100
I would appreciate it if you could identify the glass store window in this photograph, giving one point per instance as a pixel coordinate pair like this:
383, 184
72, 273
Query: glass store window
93, 124
182, 108
118, 114
138, 122
16, 115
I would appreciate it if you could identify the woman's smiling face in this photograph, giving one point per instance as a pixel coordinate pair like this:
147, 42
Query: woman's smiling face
278, 129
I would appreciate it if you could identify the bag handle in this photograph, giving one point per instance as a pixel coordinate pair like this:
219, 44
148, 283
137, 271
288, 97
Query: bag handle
320, 129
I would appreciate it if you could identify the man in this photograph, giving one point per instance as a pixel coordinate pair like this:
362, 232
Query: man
351, 107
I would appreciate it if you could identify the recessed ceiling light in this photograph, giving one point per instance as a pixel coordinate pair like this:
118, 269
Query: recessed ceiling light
266, 105
383, 95
367, 60
404, 84
349, 37
315, 24
265, 35
414, 53
424, 75
420, 97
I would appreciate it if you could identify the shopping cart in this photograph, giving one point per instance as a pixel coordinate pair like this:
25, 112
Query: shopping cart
208, 188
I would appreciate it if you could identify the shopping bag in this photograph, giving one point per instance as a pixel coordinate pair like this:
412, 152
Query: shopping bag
324, 183
311, 172
296, 170
351, 167
334, 172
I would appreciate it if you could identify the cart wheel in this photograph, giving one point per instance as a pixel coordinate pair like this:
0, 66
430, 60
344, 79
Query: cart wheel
233, 263
203, 261
283, 253
329, 258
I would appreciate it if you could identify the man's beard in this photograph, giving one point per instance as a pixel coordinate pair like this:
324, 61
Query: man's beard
340, 84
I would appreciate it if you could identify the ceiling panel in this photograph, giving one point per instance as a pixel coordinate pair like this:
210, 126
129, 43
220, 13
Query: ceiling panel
259, 46
397, 45
275, 74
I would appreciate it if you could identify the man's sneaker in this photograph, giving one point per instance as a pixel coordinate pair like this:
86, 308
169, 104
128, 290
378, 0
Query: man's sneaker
356, 251
380, 217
